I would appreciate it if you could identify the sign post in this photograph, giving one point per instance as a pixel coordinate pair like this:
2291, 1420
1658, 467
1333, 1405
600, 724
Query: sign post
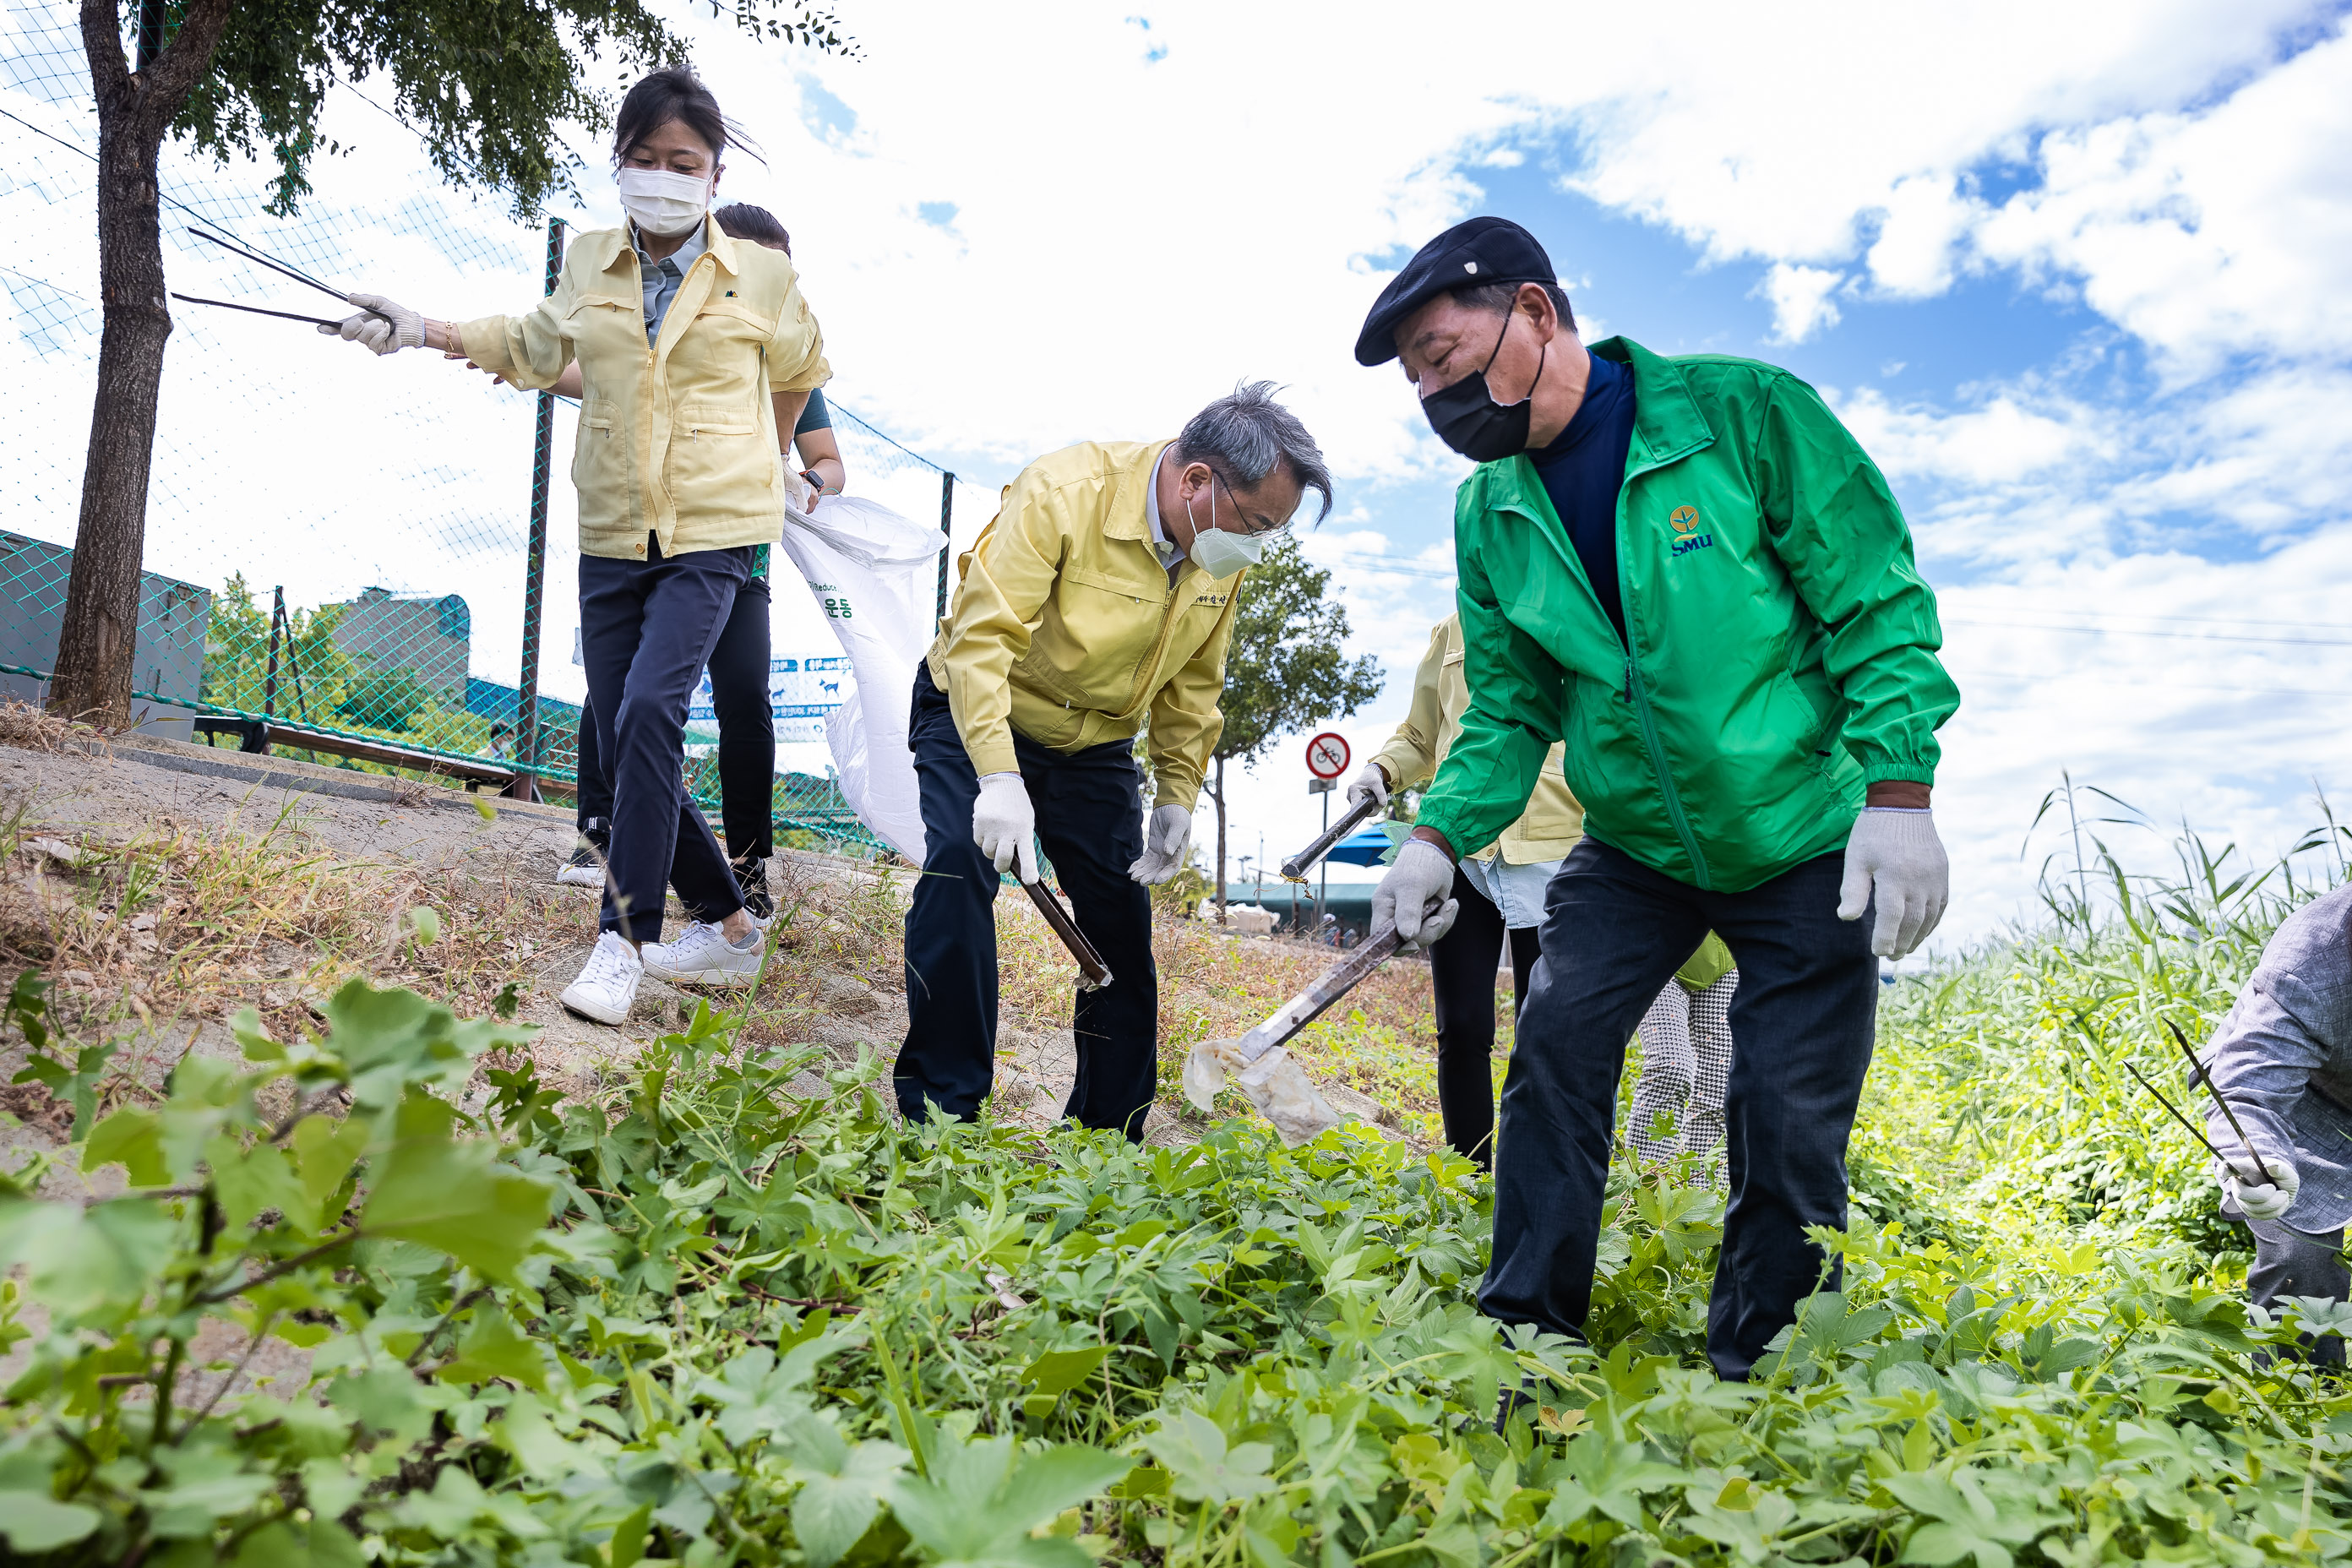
1327, 759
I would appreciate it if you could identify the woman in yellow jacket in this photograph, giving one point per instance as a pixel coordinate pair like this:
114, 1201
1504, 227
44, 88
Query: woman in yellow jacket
694, 350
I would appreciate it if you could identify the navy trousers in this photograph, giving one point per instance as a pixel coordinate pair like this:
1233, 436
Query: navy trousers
746, 734
1462, 969
1802, 1027
646, 628
747, 725
1090, 824
2289, 1262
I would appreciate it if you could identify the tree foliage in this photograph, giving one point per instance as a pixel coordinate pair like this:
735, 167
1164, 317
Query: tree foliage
486, 85
1287, 667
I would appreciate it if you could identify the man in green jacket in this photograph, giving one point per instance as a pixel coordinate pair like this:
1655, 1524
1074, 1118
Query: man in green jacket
1689, 573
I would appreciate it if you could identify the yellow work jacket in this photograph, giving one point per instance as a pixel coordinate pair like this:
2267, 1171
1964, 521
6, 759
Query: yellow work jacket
1552, 823
677, 439
1067, 628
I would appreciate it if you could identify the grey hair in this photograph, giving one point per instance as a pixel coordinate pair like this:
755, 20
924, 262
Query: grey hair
1500, 296
1247, 434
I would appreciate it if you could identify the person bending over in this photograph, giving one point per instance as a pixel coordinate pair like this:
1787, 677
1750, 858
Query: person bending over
2282, 1060
1101, 597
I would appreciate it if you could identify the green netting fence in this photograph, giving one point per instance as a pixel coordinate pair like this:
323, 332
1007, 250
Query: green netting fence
374, 557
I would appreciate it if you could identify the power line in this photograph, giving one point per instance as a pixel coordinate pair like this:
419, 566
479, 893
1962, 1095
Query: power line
2209, 620
2184, 636
2045, 675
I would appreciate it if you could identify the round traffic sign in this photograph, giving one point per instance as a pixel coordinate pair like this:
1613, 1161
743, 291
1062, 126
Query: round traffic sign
1327, 754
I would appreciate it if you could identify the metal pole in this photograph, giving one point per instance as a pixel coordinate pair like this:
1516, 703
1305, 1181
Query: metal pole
1323, 887
269, 681
534, 581
947, 515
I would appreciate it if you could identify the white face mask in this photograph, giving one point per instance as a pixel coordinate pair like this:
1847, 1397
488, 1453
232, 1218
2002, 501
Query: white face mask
1218, 553
663, 202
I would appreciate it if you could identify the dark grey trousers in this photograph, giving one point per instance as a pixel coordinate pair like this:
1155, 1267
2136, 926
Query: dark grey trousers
2287, 1262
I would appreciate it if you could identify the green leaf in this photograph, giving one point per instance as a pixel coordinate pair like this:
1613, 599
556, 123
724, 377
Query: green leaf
425, 923
1059, 1372
452, 1197
35, 1522
983, 1498
88, 1262
842, 1489
250, 1181
628, 1547
133, 1139
324, 1153
494, 1348
393, 1039
1193, 1448
1606, 1477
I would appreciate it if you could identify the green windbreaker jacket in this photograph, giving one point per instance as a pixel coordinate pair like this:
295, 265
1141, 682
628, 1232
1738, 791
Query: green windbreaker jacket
1783, 644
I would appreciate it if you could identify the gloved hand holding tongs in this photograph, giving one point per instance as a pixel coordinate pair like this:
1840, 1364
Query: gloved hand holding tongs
1004, 826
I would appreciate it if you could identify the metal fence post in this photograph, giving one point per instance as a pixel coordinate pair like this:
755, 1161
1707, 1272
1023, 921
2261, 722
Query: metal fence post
947, 515
534, 582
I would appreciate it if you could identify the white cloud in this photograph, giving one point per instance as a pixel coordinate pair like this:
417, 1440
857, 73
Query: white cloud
1799, 298
2223, 231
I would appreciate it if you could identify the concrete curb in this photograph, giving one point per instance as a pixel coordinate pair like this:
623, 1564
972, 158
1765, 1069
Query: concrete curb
310, 778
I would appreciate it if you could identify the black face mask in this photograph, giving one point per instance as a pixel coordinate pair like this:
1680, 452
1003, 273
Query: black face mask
1467, 419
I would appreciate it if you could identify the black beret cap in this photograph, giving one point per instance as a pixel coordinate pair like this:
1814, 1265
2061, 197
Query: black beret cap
1481, 250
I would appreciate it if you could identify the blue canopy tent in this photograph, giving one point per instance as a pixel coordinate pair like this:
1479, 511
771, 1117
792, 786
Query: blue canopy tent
1363, 848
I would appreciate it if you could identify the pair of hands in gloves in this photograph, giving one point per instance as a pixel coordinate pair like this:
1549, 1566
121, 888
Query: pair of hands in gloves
1004, 826
1894, 865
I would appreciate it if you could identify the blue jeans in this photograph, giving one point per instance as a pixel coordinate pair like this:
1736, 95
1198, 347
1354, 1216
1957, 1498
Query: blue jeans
646, 628
1801, 1026
1089, 809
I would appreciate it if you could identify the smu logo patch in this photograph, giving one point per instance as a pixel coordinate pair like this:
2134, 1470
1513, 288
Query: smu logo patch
1684, 521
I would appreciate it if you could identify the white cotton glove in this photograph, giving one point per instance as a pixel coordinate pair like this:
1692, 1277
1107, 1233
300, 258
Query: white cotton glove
1005, 824
1895, 854
1371, 784
2264, 1200
1165, 839
381, 327
1413, 895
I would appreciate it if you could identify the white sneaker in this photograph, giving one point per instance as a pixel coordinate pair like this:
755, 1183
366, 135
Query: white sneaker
608, 984
703, 956
571, 874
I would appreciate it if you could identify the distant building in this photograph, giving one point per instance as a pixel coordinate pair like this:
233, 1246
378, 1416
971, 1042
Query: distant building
168, 668
430, 637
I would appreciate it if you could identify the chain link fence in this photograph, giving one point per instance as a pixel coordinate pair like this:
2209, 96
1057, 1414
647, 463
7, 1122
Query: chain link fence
342, 556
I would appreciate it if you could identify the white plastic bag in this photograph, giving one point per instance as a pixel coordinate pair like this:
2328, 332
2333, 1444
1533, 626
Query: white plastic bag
873, 572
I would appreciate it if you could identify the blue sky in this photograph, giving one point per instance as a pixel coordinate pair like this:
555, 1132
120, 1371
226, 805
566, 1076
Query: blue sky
2080, 277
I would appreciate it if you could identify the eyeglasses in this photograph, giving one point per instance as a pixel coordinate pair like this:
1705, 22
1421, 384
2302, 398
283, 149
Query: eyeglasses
1247, 533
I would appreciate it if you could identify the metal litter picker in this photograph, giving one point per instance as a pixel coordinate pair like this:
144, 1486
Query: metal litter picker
1093, 972
1295, 870
1275, 1083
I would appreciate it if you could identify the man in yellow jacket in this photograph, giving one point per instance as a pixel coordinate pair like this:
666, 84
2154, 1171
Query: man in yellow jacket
1500, 889
1100, 598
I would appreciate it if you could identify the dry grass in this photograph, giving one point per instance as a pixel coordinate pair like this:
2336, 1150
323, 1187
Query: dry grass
160, 929
32, 727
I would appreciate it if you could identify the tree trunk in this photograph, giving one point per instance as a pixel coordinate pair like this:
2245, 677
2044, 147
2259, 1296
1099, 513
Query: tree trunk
1221, 840
99, 639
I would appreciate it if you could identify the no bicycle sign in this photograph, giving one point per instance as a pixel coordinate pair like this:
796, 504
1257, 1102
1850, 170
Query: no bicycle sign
1327, 754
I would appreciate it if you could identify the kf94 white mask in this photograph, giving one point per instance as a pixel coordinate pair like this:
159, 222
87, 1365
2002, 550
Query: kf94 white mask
660, 202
